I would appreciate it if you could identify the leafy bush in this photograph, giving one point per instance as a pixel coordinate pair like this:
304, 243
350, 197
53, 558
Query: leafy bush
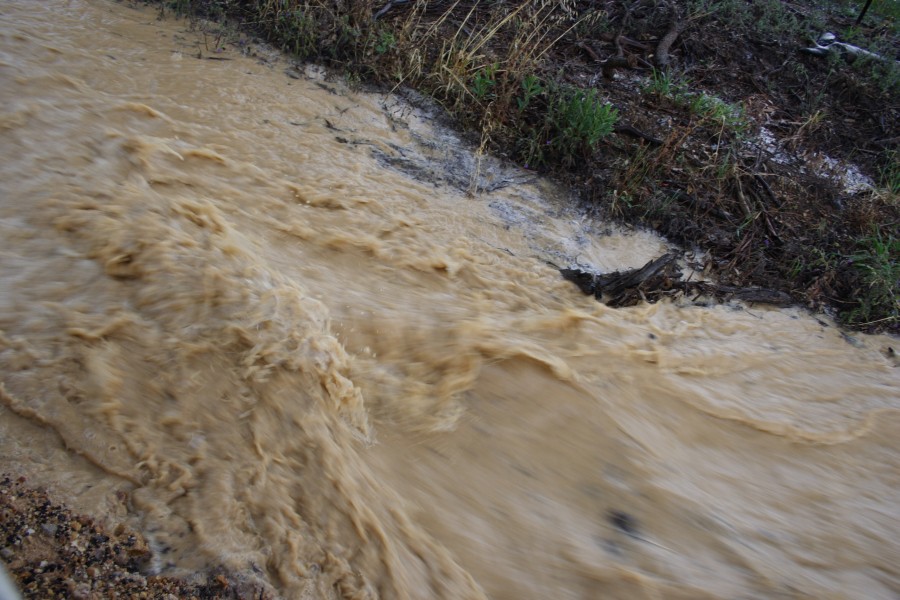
878, 264
578, 120
531, 88
484, 81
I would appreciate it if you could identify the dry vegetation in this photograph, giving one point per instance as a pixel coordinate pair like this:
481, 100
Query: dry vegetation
702, 119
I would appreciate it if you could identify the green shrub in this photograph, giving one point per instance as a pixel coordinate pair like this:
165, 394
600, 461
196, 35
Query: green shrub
297, 30
531, 88
386, 42
578, 119
484, 81
878, 264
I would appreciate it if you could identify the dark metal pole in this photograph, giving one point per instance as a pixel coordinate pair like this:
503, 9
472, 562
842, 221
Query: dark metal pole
863, 13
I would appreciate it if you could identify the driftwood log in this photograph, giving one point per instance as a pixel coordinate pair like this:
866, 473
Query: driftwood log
661, 278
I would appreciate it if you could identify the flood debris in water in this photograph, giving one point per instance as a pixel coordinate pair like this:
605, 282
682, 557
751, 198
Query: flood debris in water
662, 278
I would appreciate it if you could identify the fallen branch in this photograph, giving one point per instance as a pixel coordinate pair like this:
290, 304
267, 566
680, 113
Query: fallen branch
661, 278
619, 287
661, 56
629, 130
612, 63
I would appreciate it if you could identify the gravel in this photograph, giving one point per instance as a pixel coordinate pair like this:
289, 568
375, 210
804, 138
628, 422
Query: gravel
49, 552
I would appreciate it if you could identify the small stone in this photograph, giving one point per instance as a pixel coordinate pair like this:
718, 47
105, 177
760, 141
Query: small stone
82, 591
6, 553
50, 528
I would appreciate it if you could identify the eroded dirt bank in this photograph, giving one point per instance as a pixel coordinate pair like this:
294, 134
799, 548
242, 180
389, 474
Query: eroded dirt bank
252, 316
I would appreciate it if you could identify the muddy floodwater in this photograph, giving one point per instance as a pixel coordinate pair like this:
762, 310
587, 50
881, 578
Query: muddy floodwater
304, 333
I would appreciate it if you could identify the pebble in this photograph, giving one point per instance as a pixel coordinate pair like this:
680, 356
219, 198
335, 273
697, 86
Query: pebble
81, 591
